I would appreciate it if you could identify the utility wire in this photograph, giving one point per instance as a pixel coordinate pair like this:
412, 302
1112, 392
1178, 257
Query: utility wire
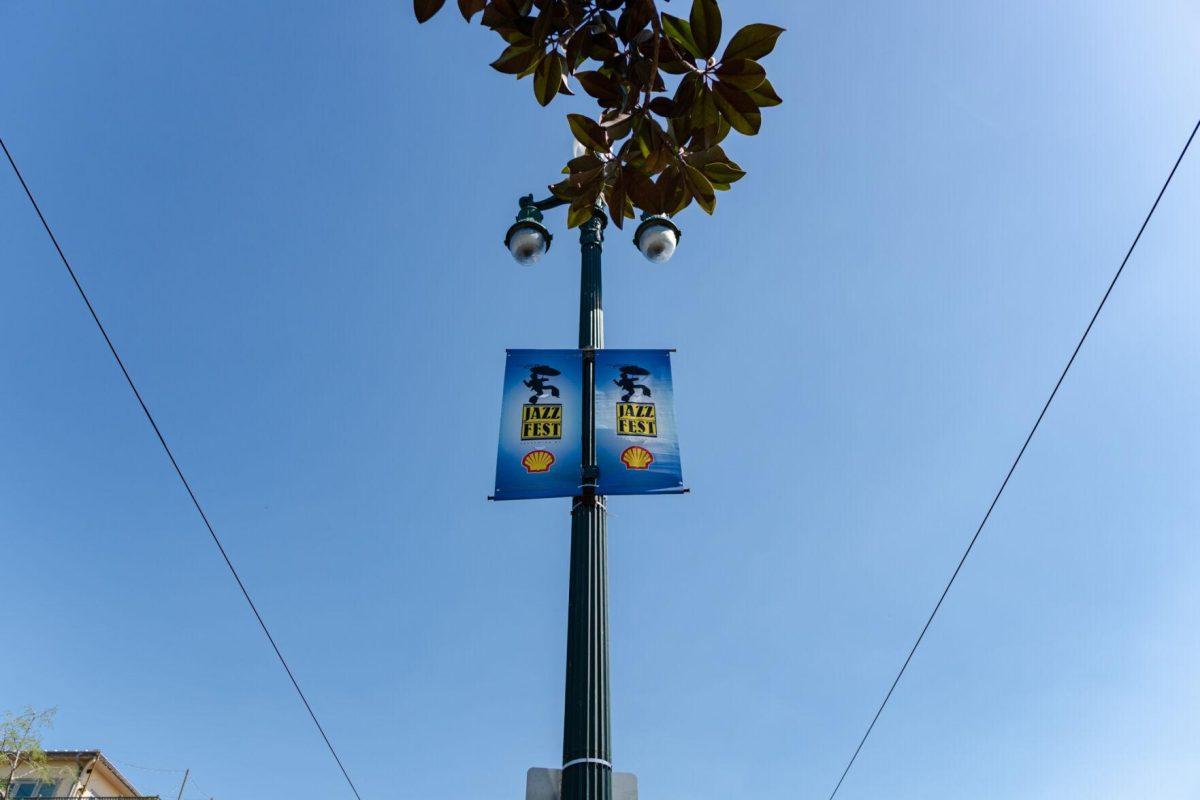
171, 456
127, 765
146, 769
1015, 462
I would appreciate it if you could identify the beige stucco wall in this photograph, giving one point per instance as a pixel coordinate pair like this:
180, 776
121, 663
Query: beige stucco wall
69, 775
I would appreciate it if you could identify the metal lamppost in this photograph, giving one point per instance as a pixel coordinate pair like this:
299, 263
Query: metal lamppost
587, 738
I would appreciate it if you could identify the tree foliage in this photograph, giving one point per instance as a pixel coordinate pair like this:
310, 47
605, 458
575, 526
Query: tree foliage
654, 146
21, 745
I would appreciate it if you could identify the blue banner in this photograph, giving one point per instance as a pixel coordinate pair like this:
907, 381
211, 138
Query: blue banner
637, 444
541, 425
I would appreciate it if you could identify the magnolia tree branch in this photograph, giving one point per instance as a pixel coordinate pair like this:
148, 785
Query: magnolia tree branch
653, 147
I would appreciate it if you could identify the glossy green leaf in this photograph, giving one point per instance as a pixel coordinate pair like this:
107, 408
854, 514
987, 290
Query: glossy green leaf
543, 26
741, 73
704, 110
577, 215
547, 80
538, 56
710, 135
506, 9
617, 126
700, 188
672, 60
679, 128
737, 107
679, 31
685, 95
700, 157
722, 172
706, 26
516, 58
514, 36
764, 95
753, 41
663, 106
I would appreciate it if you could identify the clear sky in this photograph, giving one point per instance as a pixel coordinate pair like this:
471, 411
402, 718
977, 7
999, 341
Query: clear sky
290, 214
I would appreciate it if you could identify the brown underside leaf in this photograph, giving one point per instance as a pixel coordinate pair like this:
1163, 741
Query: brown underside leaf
588, 133
674, 194
643, 192
469, 8
599, 85
614, 198
425, 9
516, 58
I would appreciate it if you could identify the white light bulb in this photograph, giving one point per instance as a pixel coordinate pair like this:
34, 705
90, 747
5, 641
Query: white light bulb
657, 243
527, 246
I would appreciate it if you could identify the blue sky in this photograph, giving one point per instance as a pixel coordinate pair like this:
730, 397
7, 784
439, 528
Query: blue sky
289, 215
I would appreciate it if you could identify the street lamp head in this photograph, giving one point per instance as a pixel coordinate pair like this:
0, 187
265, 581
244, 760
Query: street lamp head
657, 237
528, 243
527, 239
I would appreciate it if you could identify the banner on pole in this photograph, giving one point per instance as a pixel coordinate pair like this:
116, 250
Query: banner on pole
541, 425
637, 444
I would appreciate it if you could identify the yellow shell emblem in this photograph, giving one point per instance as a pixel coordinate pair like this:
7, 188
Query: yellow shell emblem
636, 457
537, 460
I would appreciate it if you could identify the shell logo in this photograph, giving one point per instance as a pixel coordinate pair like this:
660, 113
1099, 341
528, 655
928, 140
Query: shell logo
636, 457
537, 460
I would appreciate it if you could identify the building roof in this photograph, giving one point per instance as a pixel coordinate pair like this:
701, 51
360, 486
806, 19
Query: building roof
80, 755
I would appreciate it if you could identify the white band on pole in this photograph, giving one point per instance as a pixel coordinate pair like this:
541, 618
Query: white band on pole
599, 761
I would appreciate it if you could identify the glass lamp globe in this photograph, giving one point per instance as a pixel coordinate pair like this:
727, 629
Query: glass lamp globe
657, 237
527, 245
527, 239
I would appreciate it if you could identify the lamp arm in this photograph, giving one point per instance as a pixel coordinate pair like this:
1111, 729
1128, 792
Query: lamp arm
541, 205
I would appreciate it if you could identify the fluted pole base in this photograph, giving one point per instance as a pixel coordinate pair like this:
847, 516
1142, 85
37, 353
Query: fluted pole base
587, 744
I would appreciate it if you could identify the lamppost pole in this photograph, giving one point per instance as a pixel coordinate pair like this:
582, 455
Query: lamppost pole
587, 735
587, 739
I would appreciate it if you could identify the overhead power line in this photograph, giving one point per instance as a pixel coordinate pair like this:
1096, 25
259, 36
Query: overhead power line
1016, 461
175, 464
145, 769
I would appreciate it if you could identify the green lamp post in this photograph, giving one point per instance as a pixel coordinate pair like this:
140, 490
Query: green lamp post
587, 737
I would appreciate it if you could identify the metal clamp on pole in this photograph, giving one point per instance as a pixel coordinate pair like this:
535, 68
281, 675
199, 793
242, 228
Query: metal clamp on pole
598, 501
591, 476
577, 761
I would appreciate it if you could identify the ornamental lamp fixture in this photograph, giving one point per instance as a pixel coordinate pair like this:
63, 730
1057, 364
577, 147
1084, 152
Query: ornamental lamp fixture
657, 237
527, 239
